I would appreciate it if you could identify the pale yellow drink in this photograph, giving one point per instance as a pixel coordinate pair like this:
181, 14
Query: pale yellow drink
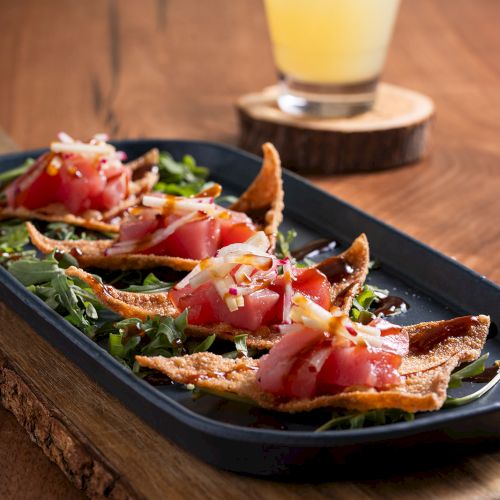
331, 41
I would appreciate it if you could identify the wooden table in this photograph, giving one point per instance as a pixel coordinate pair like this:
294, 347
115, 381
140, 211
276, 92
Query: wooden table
174, 69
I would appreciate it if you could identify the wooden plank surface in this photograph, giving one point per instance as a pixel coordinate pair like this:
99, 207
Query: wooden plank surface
174, 69
108, 451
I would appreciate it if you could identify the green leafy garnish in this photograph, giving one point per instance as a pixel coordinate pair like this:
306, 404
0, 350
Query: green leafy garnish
356, 420
240, 341
204, 345
283, 243
158, 336
471, 370
63, 231
46, 279
34, 271
362, 303
305, 262
115, 345
151, 284
13, 238
153, 337
10, 175
241, 348
184, 178
464, 400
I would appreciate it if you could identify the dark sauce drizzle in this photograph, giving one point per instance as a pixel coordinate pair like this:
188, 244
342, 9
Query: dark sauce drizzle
313, 249
336, 269
391, 305
434, 334
485, 377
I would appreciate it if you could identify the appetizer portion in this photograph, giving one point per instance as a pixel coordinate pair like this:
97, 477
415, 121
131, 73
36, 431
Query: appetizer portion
243, 289
325, 360
325, 352
178, 231
329, 341
85, 184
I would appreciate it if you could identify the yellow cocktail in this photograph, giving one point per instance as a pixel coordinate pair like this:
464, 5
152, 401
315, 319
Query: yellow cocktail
331, 47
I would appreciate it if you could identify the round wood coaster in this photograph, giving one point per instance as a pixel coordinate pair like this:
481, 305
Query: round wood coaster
393, 133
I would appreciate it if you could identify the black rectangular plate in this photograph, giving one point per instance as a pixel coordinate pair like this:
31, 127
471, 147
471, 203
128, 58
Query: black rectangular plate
254, 441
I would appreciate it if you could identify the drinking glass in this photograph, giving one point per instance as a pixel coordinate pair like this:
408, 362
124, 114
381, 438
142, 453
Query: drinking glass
329, 53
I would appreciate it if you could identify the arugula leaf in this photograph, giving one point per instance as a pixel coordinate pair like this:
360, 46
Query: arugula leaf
13, 237
10, 175
471, 370
283, 243
475, 368
464, 400
63, 231
204, 345
158, 336
151, 284
71, 298
65, 295
33, 271
181, 321
364, 301
115, 345
361, 305
356, 420
184, 178
240, 341
305, 262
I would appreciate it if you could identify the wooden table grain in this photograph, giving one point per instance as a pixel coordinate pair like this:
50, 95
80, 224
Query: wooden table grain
174, 69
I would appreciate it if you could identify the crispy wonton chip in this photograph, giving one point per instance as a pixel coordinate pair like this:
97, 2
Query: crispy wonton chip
263, 201
347, 272
427, 369
92, 219
91, 253
142, 305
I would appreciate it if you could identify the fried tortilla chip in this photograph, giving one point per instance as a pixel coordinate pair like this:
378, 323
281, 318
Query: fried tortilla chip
262, 201
347, 272
93, 219
91, 253
142, 305
427, 369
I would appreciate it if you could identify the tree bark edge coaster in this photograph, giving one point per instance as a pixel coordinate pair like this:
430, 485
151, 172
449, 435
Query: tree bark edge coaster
395, 132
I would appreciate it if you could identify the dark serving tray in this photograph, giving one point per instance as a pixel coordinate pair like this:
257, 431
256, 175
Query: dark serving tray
245, 439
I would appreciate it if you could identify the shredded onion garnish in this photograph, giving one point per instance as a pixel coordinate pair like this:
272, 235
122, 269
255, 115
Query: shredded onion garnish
288, 277
236, 270
181, 205
130, 246
96, 146
334, 322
